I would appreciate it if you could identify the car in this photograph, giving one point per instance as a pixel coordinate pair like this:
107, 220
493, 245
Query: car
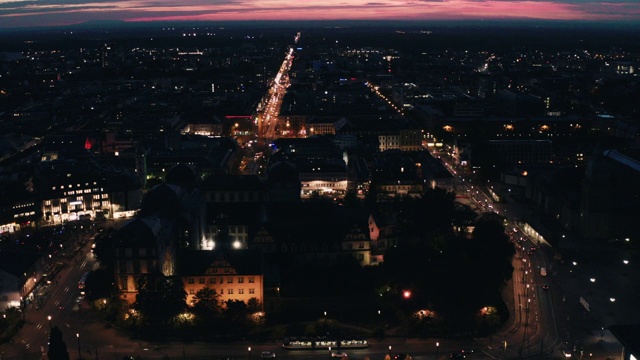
545, 287
458, 356
529, 252
268, 355
338, 354
566, 353
533, 249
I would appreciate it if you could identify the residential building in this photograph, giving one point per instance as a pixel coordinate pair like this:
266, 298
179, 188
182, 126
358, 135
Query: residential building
232, 275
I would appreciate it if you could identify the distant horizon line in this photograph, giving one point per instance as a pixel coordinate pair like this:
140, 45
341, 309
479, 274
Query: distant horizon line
110, 24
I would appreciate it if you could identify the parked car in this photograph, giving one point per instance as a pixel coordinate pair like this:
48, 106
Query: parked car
338, 354
268, 355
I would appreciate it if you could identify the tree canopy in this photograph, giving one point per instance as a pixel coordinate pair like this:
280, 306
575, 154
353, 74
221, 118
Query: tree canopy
160, 298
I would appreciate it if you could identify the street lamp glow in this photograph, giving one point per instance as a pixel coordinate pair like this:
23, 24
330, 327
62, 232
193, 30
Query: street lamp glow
78, 337
612, 299
592, 280
575, 263
625, 262
406, 294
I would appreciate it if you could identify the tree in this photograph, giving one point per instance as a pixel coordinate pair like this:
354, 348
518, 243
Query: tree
493, 249
207, 303
254, 305
351, 200
236, 314
429, 214
57, 347
105, 250
160, 298
482, 267
100, 284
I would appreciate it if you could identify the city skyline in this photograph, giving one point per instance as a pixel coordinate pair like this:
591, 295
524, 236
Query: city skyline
232, 184
25, 14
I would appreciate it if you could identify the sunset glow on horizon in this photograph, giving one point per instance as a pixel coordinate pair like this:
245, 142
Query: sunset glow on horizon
21, 13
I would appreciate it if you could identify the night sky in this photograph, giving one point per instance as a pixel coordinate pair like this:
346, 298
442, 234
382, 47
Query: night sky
28, 13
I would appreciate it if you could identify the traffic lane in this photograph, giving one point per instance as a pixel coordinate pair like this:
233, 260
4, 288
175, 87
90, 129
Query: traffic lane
548, 315
63, 293
417, 349
33, 337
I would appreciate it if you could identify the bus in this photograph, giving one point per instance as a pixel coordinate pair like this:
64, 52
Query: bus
83, 281
309, 343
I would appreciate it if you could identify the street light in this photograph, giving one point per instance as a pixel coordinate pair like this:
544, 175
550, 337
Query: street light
592, 280
78, 337
249, 348
22, 307
437, 346
389, 349
49, 318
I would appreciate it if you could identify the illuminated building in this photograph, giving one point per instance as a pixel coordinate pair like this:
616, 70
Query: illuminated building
78, 190
233, 275
325, 176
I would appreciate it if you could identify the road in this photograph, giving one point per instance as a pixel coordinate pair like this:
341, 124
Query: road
269, 107
58, 306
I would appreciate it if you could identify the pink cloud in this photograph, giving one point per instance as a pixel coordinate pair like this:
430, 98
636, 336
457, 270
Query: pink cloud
221, 10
